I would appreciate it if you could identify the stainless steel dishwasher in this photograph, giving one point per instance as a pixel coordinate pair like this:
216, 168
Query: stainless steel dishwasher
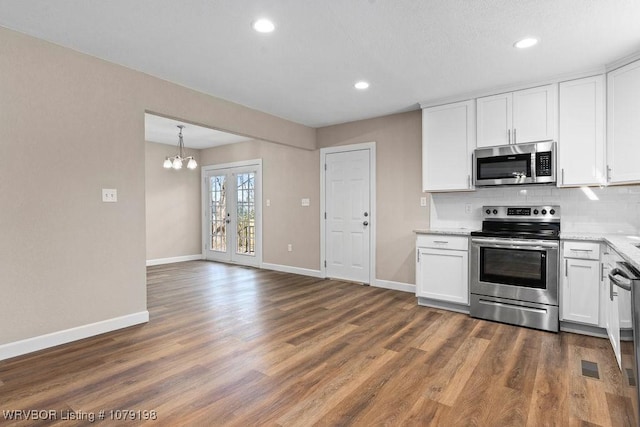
626, 277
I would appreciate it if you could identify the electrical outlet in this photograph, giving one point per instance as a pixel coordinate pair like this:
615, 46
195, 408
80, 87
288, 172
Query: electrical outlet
268, 202
109, 195
305, 202
423, 201
468, 209
290, 247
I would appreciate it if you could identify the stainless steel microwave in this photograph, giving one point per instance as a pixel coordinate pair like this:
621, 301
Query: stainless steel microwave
531, 163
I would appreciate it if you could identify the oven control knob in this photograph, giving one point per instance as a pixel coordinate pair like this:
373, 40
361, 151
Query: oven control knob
552, 211
544, 211
488, 211
536, 212
495, 212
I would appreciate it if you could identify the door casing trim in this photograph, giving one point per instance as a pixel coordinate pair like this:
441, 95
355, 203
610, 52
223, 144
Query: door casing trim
371, 146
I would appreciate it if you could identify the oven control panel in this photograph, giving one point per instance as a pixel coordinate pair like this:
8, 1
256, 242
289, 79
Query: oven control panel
519, 211
529, 213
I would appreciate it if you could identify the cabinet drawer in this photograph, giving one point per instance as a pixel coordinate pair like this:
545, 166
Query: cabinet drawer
582, 250
442, 241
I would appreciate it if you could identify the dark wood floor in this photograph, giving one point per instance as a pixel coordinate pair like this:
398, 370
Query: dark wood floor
228, 345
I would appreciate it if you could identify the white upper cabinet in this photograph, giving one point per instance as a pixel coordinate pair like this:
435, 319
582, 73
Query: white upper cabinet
524, 116
581, 132
448, 141
623, 124
494, 120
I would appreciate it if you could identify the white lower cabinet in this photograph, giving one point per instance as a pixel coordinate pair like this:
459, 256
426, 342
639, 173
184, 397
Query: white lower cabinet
616, 305
580, 290
442, 268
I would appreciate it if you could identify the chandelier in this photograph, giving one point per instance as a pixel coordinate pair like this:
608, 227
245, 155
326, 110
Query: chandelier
175, 162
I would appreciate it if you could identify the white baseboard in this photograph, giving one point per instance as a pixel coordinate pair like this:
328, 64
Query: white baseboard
161, 261
396, 286
293, 270
41, 342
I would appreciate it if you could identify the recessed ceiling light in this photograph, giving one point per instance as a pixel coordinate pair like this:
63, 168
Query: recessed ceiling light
263, 26
362, 85
525, 43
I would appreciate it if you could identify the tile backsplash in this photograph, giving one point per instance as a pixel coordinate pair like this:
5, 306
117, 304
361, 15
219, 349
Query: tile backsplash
616, 210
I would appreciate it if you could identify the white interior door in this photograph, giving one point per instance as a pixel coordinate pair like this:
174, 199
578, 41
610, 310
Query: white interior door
232, 212
348, 215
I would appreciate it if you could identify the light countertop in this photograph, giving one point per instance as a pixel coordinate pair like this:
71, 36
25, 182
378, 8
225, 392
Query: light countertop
622, 243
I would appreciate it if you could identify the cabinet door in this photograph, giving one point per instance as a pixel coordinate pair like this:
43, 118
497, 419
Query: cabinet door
448, 140
623, 124
611, 306
534, 114
613, 326
624, 307
581, 132
494, 120
580, 291
443, 275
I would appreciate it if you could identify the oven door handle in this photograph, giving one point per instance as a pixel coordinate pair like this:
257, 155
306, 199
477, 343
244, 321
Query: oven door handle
618, 272
515, 244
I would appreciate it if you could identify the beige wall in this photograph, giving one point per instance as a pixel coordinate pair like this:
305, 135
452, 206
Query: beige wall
71, 124
173, 202
399, 149
288, 175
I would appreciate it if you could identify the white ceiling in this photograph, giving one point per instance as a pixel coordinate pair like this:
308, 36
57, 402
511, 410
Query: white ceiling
409, 50
165, 131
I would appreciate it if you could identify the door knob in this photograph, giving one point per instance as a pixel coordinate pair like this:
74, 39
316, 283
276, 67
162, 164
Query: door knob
366, 214
227, 221
365, 223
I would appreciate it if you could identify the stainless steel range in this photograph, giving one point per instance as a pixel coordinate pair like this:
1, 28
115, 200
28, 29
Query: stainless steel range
514, 264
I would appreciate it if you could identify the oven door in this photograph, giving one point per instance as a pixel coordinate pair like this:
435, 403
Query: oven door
522, 270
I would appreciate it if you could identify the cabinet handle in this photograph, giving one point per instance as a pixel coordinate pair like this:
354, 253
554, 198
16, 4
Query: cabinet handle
418, 251
601, 271
440, 241
562, 170
608, 173
566, 267
514, 136
468, 181
509, 135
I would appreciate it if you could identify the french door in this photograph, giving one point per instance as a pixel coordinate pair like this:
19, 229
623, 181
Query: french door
232, 225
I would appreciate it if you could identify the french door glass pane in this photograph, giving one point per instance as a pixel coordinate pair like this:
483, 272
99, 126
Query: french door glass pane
218, 199
246, 213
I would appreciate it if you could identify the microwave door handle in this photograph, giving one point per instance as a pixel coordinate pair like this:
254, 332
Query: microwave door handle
533, 167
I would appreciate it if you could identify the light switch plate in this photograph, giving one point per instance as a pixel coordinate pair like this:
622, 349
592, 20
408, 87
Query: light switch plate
423, 201
109, 195
305, 202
